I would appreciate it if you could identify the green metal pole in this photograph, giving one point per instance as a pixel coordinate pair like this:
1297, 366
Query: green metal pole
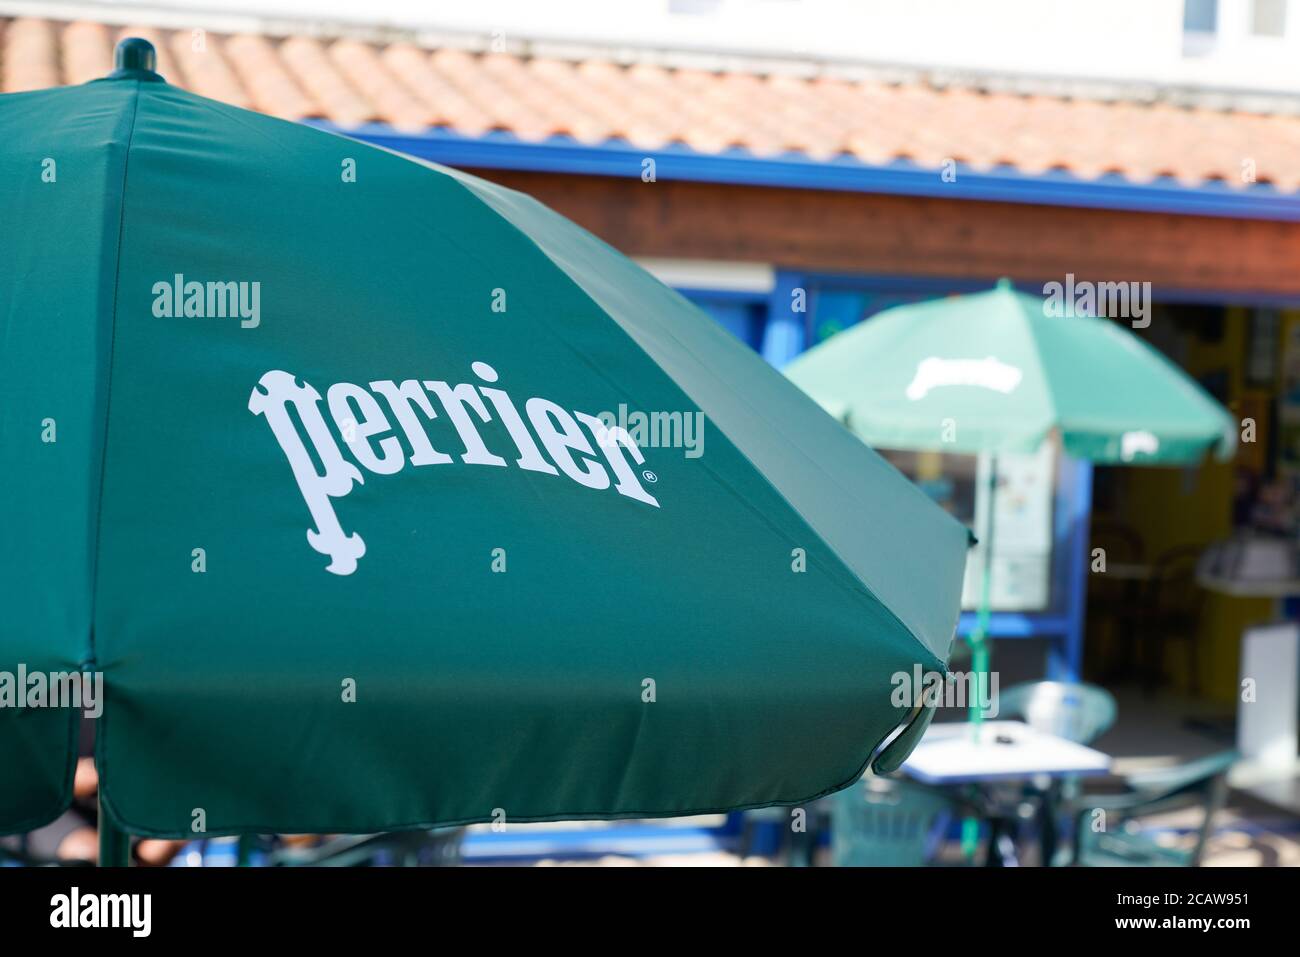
979, 644
114, 843
979, 641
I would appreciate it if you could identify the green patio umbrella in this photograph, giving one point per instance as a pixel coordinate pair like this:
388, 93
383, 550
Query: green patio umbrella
994, 373
342, 470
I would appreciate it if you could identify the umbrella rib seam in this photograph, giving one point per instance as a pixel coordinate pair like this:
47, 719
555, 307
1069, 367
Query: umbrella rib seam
108, 378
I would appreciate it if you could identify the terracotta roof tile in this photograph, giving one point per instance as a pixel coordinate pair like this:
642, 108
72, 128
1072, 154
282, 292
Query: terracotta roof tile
87, 51
587, 111
30, 57
350, 82
270, 86
361, 66
447, 105
459, 71
309, 65
206, 68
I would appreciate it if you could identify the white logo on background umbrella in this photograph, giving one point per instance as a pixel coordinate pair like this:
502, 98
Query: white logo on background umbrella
987, 373
1138, 442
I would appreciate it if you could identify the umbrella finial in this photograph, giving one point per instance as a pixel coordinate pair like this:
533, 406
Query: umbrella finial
136, 59
1005, 284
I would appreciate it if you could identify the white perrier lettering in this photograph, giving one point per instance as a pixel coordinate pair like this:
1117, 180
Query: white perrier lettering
556, 442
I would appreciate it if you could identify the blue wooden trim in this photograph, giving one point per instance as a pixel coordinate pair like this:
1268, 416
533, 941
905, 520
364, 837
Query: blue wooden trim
939, 285
1014, 624
563, 154
1065, 660
746, 297
882, 283
741, 312
1226, 297
786, 332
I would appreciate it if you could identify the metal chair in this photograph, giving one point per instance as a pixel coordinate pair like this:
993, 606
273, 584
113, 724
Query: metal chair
1114, 836
889, 822
1077, 712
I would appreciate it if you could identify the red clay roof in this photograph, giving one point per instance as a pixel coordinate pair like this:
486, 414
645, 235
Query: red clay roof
411, 88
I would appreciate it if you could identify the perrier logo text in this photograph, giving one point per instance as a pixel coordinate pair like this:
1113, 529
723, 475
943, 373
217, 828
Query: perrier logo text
577, 444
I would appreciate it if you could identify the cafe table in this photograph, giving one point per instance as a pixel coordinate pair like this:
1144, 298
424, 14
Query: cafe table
1001, 752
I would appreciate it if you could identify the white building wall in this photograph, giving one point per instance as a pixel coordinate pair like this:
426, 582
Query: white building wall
1111, 40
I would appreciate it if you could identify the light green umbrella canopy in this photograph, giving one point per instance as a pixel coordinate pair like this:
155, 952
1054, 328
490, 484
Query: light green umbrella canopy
991, 372
302, 451
994, 373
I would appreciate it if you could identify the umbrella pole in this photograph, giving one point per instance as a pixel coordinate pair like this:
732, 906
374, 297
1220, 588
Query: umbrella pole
979, 642
979, 645
114, 843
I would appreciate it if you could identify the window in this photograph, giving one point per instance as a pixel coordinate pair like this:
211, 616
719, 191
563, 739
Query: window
1200, 16
1268, 18
1200, 23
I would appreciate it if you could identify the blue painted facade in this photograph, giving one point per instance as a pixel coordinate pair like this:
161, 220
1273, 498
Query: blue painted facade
562, 154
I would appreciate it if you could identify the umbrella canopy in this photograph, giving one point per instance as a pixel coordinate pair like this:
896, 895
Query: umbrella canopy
992, 372
304, 451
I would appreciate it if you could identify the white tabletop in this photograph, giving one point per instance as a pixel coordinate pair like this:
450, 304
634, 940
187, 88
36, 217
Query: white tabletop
955, 752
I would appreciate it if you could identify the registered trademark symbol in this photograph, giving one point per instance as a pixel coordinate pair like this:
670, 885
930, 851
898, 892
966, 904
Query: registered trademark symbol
650, 476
